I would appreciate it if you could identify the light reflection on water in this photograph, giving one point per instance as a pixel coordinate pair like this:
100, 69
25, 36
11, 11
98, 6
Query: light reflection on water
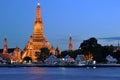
38, 73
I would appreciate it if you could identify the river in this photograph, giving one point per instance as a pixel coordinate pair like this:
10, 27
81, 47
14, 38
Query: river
40, 73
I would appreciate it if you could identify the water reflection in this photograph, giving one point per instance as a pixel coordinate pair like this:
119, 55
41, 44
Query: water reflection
36, 73
36, 70
39, 73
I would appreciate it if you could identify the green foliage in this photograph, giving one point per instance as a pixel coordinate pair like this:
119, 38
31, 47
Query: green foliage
45, 51
116, 55
99, 52
89, 45
64, 53
43, 54
72, 54
27, 59
39, 56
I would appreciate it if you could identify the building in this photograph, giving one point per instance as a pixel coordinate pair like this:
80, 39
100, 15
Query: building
80, 59
17, 55
57, 51
9, 54
52, 50
70, 44
111, 59
37, 40
6, 53
5, 50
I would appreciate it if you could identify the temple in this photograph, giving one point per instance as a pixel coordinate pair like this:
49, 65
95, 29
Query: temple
37, 39
5, 46
11, 55
70, 44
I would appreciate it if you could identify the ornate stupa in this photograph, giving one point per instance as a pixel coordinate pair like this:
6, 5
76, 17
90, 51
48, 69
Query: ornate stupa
70, 44
5, 49
37, 40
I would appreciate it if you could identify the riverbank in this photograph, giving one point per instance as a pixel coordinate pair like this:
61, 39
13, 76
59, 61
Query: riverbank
70, 65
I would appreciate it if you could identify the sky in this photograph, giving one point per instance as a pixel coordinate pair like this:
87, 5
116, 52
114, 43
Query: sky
81, 19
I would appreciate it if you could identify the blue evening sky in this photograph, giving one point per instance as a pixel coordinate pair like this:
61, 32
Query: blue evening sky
80, 18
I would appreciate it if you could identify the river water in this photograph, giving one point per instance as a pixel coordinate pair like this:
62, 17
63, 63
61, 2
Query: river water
39, 73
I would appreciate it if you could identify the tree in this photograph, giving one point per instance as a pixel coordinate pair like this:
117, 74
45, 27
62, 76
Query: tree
117, 55
27, 59
39, 56
64, 53
43, 54
45, 50
91, 47
72, 54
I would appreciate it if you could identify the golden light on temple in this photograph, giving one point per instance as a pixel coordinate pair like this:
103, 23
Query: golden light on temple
70, 44
37, 40
5, 46
17, 55
11, 54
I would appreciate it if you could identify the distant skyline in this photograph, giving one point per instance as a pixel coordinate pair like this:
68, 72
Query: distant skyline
80, 18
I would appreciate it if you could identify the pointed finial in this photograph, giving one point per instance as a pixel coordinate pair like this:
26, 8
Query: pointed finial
38, 2
5, 38
70, 35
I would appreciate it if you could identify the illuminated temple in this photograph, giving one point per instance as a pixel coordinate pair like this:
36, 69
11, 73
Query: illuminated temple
37, 39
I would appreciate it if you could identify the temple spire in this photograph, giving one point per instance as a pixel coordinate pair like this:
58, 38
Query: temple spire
38, 3
38, 12
38, 39
5, 46
70, 44
38, 25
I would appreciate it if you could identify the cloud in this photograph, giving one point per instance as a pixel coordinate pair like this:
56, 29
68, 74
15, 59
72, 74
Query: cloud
109, 38
109, 41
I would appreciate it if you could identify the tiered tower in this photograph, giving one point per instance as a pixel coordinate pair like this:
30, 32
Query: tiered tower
37, 40
5, 49
38, 37
70, 44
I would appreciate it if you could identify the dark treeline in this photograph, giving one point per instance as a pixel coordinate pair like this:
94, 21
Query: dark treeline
90, 48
